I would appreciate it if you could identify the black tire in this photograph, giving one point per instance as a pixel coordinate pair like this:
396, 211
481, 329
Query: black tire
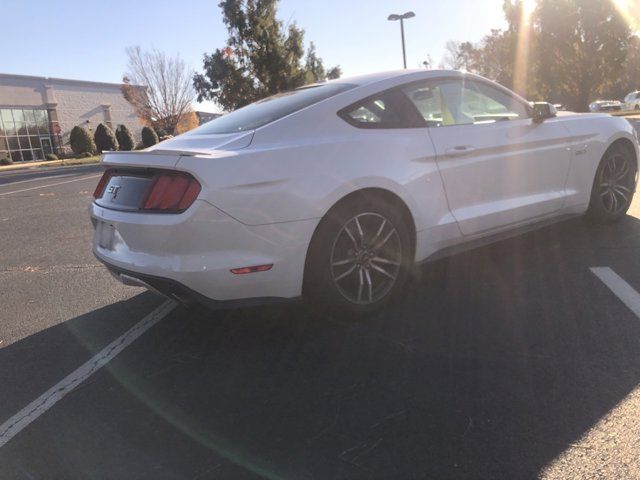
613, 185
335, 240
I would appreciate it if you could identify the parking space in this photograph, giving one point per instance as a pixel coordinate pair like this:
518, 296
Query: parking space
510, 361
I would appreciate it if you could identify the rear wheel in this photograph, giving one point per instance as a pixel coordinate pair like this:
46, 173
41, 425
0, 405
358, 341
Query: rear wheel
359, 258
614, 186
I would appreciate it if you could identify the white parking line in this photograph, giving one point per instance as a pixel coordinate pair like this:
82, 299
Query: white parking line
50, 185
37, 179
48, 399
622, 289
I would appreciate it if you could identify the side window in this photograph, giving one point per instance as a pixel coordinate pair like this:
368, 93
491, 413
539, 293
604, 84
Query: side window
443, 103
388, 109
427, 99
454, 102
494, 105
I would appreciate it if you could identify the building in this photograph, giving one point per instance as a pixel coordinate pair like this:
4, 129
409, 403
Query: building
38, 113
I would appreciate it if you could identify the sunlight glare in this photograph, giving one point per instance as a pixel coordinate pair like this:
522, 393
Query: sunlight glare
528, 6
630, 11
521, 65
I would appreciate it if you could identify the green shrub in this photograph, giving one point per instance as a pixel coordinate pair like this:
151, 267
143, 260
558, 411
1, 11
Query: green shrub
124, 137
149, 137
51, 156
81, 141
6, 161
160, 132
105, 139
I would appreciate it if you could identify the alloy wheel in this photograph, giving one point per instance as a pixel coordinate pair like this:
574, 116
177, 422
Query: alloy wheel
366, 258
616, 183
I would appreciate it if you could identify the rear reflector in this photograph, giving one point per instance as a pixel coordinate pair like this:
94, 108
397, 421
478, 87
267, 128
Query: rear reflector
245, 270
172, 192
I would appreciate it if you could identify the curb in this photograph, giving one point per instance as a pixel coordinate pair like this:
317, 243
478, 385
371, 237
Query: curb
53, 163
43, 164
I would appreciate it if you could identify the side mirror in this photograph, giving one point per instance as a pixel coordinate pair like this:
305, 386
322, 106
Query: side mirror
542, 111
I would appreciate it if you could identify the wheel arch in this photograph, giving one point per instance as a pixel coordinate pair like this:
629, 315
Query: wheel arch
376, 193
626, 144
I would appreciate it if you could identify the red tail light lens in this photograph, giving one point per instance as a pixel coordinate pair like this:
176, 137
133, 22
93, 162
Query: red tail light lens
102, 184
172, 192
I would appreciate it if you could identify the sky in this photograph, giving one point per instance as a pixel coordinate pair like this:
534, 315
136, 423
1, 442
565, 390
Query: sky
86, 39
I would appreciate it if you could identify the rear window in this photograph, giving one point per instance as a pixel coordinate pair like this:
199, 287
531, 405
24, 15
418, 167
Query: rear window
270, 109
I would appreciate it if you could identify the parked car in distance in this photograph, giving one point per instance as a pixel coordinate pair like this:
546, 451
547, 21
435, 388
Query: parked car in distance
605, 106
335, 190
632, 101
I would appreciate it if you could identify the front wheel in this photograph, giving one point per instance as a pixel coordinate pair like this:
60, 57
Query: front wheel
359, 258
614, 186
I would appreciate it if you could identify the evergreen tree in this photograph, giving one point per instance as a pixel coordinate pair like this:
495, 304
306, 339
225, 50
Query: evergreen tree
149, 137
104, 139
261, 57
125, 138
81, 141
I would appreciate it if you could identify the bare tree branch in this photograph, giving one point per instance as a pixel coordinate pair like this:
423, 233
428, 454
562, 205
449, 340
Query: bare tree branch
159, 87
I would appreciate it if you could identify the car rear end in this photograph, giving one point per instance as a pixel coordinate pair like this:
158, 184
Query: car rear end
213, 214
153, 228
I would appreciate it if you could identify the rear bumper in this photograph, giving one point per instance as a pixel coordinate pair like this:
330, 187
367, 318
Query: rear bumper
183, 294
191, 254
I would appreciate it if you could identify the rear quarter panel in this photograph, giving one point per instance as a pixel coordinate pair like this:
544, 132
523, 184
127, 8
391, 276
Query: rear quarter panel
299, 167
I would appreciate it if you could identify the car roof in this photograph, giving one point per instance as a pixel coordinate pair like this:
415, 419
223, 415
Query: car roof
371, 78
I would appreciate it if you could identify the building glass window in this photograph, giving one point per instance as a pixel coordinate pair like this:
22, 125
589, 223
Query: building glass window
24, 134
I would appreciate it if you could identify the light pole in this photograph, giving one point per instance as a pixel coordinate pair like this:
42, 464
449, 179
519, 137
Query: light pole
393, 17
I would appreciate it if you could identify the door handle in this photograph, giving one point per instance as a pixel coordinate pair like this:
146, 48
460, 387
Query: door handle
459, 151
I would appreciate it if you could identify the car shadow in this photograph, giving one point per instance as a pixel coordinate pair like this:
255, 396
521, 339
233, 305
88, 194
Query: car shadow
492, 364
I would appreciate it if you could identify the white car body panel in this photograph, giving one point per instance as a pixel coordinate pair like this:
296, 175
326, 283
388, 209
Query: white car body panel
264, 191
511, 171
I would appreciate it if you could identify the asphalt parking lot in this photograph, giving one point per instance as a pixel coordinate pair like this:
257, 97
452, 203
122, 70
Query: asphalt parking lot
514, 360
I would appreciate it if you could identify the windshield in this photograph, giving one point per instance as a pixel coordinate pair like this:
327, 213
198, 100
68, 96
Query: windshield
270, 109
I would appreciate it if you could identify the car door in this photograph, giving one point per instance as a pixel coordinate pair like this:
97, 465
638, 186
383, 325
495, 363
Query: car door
498, 166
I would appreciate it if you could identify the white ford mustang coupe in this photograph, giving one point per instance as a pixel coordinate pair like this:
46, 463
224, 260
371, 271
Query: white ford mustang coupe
334, 191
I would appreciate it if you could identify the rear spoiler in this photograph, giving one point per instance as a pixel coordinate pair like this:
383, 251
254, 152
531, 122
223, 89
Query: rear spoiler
163, 159
181, 153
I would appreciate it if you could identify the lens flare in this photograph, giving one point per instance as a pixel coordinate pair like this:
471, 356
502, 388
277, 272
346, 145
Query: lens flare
528, 6
630, 11
521, 64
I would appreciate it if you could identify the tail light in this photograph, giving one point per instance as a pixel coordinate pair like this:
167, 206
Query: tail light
166, 192
102, 184
171, 192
